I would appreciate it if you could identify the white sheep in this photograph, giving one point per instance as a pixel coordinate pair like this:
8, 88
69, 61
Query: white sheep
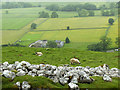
74, 60
39, 53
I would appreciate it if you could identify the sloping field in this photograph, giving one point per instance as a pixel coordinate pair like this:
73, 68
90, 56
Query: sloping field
113, 33
57, 56
74, 23
78, 38
10, 36
15, 23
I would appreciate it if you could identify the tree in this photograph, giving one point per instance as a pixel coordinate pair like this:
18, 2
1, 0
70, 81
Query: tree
51, 44
91, 13
54, 15
33, 26
118, 41
83, 13
68, 28
67, 40
6, 11
111, 21
103, 45
43, 14
52, 7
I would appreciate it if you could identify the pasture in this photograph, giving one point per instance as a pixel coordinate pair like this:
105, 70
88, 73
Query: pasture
74, 23
84, 31
113, 33
20, 17
79, 37
58, 56
10, 36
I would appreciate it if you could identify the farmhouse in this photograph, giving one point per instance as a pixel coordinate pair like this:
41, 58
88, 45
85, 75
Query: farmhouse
43, 43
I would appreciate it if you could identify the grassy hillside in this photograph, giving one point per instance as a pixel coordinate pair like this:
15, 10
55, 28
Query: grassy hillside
57, 57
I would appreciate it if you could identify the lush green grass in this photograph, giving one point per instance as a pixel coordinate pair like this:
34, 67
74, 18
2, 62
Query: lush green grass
78, 38
15, 23
10, 36
74, 23
58, 56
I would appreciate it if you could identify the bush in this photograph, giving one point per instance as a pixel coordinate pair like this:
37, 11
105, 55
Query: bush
67, 40
33, 26
111, 21
54, 15
51, 44
103, 45
43, 14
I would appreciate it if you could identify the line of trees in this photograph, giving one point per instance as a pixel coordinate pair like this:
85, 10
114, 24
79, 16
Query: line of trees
9, 5
85, 13
44, 14
71, 7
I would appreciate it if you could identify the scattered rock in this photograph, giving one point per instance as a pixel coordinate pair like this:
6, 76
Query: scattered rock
107, 78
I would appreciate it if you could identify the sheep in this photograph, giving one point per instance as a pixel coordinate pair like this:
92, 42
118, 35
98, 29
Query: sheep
74, 60
39, 53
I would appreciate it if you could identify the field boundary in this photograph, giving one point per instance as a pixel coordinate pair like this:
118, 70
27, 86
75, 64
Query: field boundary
29, 30
107, 30
70, 29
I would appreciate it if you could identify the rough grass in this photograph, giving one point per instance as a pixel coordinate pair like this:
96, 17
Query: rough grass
58, 56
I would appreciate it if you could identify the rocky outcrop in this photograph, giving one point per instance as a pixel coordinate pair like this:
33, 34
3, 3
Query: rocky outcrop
61, 74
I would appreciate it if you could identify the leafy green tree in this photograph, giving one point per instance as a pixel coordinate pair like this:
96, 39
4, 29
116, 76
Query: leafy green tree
51, 44
67, 40
111, 21
91, 13
68, 28
89, 6
52, 7
105, 42
33, 26
54, 15
43, 14
103, 45
83, 13
118, 41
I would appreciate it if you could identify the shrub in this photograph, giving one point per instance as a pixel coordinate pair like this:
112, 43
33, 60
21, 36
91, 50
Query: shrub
67, 40
103, 45
111, 21
33, 26
51, 44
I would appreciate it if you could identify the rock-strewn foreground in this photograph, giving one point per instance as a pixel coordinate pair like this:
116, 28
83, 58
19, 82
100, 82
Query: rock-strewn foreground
62, 74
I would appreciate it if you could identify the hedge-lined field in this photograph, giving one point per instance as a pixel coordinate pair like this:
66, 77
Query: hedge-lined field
74, 23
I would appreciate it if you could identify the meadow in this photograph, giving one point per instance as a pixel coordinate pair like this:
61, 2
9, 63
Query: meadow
83, 31
59, 56
11, 36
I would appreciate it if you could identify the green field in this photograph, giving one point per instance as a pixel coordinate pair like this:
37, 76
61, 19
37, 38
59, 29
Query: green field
113, 33
57, 56
10, 36
84, 31
74, 23
19, 17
